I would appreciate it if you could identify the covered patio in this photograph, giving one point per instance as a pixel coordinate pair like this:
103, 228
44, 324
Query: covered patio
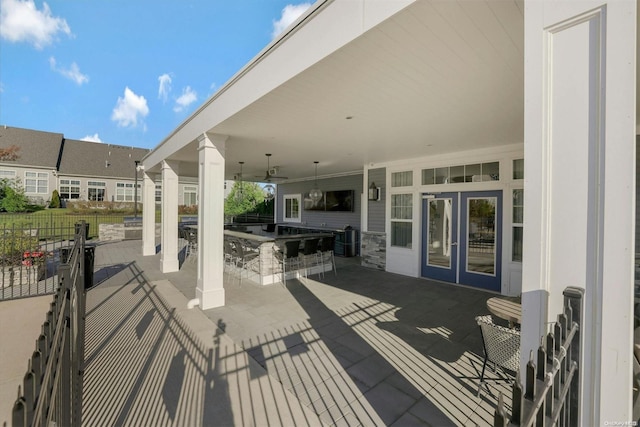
360, 348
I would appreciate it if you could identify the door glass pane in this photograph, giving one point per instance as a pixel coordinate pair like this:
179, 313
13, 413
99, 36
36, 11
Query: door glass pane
439, 233
481, 217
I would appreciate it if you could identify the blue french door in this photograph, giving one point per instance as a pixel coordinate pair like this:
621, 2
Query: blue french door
461, 239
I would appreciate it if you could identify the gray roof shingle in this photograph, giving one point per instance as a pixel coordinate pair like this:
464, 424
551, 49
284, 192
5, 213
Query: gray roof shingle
37, 148
99, 159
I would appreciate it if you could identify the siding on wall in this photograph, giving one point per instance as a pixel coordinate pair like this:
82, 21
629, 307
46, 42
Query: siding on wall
336, 220
376, 211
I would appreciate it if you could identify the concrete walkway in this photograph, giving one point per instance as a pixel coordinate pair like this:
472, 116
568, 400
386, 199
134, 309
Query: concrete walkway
361, 348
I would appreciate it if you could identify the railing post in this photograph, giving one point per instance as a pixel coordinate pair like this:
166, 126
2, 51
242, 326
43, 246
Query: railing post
574, 299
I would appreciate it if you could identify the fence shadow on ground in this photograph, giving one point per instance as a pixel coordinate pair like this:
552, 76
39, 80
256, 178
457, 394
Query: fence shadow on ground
144, 366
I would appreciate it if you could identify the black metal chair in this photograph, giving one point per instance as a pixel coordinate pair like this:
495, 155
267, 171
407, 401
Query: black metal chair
288, 256
310, 254
326, 252
246, 258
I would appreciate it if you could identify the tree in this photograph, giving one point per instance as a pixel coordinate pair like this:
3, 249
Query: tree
55, 200
243, 198
12, 198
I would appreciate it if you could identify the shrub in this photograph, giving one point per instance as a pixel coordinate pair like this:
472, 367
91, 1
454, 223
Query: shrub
188, 210
55, 200
14, 244
13, 199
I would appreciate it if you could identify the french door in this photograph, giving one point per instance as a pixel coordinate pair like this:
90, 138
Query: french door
461, 238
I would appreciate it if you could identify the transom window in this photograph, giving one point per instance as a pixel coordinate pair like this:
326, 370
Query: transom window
70, 189
7, 174
476, 172
36, 182
292, 204
402, 179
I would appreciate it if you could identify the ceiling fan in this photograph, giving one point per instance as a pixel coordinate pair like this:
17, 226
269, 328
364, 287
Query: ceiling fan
272, 172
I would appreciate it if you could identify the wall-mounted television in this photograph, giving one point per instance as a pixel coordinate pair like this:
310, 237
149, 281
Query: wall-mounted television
334, 201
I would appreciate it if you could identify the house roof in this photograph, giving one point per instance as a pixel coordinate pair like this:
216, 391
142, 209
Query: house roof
37, 148
69, 156
99, 159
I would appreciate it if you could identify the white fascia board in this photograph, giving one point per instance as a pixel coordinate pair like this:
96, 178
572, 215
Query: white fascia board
324, 29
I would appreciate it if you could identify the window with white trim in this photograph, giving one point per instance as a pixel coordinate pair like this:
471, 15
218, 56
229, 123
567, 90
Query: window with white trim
402, 179
190, 194
69, 189
517, 225
7, 174
401, 220
292, 203
96, 190
125, 191
36, 182
158, 193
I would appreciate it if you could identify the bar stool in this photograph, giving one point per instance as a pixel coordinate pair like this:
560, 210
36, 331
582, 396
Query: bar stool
326, 252
246, 259
310, 254
288, 257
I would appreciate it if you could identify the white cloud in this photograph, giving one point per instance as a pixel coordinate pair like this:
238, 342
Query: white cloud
130, 109
188, 97
165, 87
21, 21
92, 138
72, 73
290, 13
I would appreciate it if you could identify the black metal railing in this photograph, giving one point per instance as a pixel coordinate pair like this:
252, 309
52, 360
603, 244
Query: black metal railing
551, 392
52, 386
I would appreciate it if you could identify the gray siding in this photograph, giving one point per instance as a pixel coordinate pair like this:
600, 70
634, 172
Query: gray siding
330, 219
376, 218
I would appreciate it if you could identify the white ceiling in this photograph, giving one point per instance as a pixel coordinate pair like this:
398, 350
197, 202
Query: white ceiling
438, 77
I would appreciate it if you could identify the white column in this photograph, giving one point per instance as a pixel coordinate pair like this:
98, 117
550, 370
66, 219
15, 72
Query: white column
148, 215
580, 86
169, 258
210, 289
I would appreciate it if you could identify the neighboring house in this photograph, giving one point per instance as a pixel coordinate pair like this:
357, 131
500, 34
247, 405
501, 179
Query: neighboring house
79, 170
527, 119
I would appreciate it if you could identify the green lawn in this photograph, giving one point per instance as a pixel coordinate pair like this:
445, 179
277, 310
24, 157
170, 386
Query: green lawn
52, 223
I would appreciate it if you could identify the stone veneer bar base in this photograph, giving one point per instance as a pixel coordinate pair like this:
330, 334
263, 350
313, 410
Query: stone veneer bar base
374, 250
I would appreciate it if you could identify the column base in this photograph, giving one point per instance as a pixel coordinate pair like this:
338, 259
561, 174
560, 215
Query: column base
209, 299
148, 249
169, 265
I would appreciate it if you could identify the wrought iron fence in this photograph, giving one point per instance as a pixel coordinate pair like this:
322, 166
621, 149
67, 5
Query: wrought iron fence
551, 392
29, 256
52, 387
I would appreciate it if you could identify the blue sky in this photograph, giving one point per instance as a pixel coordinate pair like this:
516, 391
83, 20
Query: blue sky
125, 72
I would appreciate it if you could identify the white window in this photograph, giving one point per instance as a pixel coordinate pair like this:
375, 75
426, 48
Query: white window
97, 191
7, 174
292, 203
402, 179
36, 182
518, 220
158, 193
190, 195
401, 220
125, 191
69, 189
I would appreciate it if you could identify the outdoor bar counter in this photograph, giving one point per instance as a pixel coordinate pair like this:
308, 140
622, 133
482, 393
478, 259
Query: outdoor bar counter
267, 269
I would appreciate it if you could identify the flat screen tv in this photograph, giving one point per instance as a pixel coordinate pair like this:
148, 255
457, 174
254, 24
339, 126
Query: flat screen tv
335, 201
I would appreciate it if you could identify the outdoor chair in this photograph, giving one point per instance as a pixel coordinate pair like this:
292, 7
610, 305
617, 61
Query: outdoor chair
246, 258
326, 252
310, 254
270, 228
192, 245
501, 347
288, 256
